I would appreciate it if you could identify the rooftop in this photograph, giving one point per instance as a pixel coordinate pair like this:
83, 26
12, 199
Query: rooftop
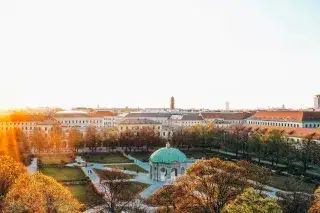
168, 155
226, 115
286, 115
148, 115
138, 121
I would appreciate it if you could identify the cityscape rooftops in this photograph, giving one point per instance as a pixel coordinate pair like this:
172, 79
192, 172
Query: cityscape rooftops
137, 121
226, 115
192, 118
146, 115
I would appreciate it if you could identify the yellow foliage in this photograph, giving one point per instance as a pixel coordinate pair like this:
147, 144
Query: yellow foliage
9, 172
41, 194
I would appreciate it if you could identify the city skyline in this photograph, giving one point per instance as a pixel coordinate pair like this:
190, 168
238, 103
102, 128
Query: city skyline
204, 53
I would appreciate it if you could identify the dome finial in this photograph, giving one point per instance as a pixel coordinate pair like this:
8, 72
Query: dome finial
168, 145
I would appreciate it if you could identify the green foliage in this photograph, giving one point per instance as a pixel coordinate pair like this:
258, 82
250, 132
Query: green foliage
251, 202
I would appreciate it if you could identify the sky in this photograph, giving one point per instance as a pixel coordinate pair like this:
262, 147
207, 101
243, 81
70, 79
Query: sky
252, 53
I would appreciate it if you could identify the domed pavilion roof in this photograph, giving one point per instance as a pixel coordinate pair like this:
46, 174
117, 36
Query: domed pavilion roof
167, 155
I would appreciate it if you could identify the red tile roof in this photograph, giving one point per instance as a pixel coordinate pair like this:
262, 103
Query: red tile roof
101, 114
290, 116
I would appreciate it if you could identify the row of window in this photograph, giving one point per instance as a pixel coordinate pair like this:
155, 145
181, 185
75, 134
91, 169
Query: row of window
25, 128
80, 121
138, 127
16, 123
273, 124
311, 125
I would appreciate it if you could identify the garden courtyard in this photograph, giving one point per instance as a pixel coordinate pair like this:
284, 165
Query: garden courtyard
83, 182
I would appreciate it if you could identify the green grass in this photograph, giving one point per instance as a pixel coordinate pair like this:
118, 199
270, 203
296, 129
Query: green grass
55, 158
130, 167
85, 194
100, 172
284, 183
198, 154
142, 156
106, 158
64, 173
137, 187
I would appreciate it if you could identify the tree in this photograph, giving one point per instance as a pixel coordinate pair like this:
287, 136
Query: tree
9, 145
315, 208
56, 136
164, 197
274, 143
10, 170
22, 140
75, 139
208, 185
39, 193
117, 195
308, 150
251, 202
237, 138
293, 200
38, 140
260, 175
258, 141
91, 138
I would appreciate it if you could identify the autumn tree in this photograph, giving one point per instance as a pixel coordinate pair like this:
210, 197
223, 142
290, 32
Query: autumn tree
9, 145
75, 139
109, 137
308, 151
294, 199
56, 136
91, 138
275, 141
39, 193
315, 208
251, 202
165, 197
117, 195
10, 170
22, 140
38, 140
209, 185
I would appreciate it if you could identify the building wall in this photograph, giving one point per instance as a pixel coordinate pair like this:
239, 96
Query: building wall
274, 123
26, 126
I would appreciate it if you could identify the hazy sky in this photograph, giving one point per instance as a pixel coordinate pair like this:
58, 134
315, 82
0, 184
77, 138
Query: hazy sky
141, 52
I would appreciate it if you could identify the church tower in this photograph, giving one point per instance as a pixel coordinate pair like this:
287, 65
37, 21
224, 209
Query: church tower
172, 103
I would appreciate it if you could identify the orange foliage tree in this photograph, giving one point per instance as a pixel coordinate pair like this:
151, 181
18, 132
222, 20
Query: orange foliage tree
9, 172
39, 193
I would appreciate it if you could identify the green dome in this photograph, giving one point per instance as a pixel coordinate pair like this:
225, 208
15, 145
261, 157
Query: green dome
168, 155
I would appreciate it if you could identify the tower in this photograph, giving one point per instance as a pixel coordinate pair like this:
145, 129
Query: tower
172, 102
227, 106
317, 101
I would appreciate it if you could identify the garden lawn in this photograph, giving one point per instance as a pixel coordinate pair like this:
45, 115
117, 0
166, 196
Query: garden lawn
64, 173
142, 156
137, 187
106, 158
55, 158
281, 182
100, 172
130, 167
198, 154
85, 194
